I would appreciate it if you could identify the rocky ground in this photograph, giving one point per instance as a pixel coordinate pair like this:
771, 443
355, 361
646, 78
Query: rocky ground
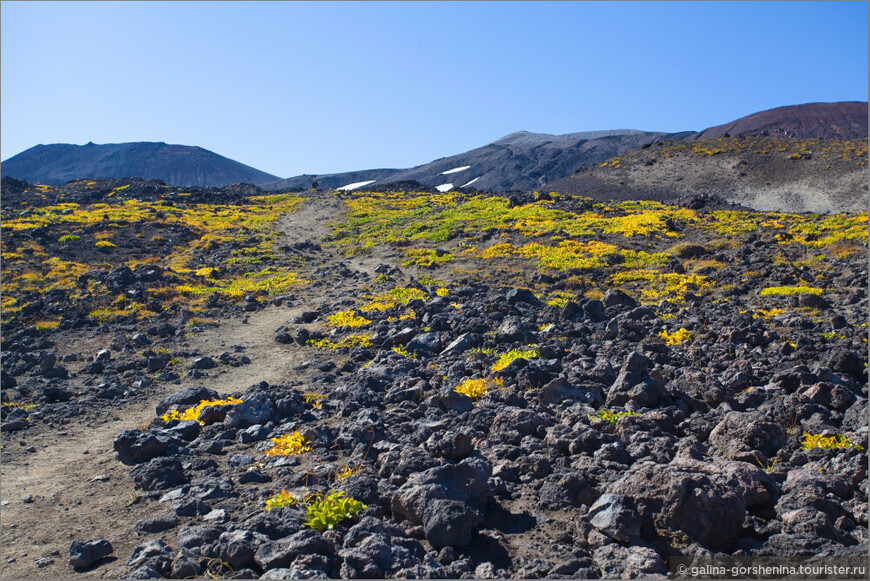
761, 173
630, 388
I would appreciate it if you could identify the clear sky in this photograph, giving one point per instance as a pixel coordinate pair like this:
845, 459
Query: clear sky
322, 87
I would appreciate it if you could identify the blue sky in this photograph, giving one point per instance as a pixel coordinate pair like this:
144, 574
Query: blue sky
323, 87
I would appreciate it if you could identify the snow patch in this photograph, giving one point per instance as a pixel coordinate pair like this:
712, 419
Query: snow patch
465, 185
444, 187
356, 185
454, 170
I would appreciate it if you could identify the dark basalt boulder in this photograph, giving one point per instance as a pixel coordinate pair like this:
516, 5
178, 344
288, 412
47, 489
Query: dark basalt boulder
747, 436
690, 501
83, 554
135, 447
158, 474
449, 523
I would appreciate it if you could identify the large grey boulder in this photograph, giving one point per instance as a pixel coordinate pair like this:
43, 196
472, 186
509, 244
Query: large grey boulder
449, 523
747, 436
617, 562
615, 515
257, 409
83, 554
690, 500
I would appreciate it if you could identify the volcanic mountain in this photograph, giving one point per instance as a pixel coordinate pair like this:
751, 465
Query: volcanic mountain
525, 161
843, 120
177, 165
805, 158
519, 161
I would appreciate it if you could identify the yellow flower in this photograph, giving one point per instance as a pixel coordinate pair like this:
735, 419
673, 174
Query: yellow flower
347, 319
192, 413
677, 337
477, 388
293, 443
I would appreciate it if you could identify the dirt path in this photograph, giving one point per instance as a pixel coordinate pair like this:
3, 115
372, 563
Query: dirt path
311, 223
80, 491
68, 503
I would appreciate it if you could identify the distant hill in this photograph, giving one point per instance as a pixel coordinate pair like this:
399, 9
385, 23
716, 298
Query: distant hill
332, 181
177, 165
519, 161
843, 120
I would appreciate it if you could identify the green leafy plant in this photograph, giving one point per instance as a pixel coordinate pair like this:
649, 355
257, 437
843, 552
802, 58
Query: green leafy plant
560, 298
281, 500
610, 416
324, 512
833, 335
505, 359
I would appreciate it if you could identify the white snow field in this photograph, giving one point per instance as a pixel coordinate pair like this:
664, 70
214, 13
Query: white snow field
454, 170
356, 185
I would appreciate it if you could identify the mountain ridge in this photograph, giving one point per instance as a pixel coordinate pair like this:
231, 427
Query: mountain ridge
518, 161
839, 120
525, 160
521, 160
177, 165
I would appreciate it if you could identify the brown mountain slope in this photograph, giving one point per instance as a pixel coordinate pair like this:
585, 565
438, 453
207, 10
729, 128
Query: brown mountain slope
842, 120
810, 175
